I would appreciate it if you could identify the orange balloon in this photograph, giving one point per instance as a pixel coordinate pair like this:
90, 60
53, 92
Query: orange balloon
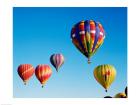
43, 73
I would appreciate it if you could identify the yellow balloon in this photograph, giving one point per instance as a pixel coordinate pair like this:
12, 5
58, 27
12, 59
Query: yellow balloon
105, 75
120, 95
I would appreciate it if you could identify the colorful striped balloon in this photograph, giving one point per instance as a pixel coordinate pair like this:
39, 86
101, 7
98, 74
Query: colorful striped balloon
105, 75
57, 60
87, 36
25, 71
43, 73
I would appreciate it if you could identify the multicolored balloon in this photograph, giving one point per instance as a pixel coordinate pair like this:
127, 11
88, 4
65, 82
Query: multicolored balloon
25, 71
88, 36
57, 60
105, 75
43, 73
120, 95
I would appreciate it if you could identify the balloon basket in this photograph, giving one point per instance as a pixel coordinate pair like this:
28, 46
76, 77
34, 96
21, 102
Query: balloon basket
24, 83
106, 90
89, 61
57, 70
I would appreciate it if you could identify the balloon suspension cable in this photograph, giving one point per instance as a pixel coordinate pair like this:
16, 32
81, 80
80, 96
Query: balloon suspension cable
106, 90
89, 61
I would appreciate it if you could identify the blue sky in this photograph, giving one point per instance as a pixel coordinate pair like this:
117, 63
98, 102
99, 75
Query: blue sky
39, 32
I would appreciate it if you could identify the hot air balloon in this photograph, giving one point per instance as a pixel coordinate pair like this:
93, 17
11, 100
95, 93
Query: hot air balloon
126, 91
107, 97
57, 60
120, 95
25, 71
87, 36
105, 75
43, 73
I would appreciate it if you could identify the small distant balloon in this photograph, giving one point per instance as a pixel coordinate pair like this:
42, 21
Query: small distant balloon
88, 36
25, 71
105, 75
43, 73
57, 60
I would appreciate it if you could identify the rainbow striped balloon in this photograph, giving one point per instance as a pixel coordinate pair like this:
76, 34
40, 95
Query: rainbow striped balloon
87, 36
25, 71
57, 60
43, 73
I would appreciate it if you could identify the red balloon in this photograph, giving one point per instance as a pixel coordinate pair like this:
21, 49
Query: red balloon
25, 71
43, 73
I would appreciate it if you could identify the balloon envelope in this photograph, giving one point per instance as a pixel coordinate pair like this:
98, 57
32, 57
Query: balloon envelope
107, 97
25, 71
120, 95
57, 60
126, 91
105, 75
43, 73
87, 36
